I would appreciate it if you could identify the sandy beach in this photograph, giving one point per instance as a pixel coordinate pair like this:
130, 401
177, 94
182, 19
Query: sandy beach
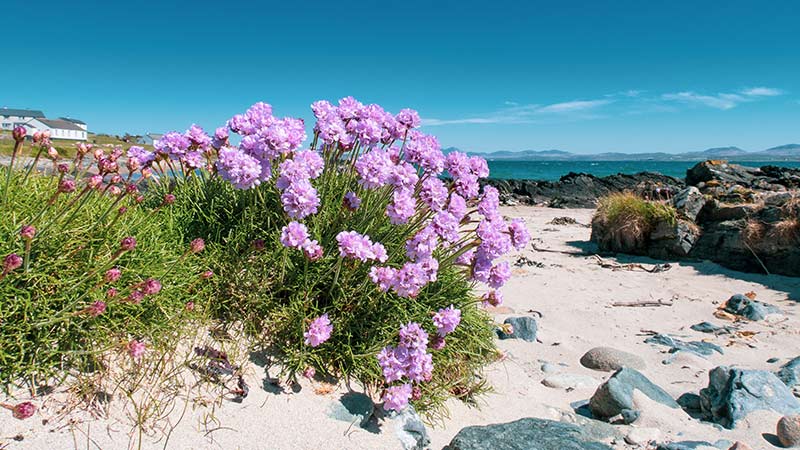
582, 305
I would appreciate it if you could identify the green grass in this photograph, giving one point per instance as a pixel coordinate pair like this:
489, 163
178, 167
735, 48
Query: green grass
66, 148
623, 221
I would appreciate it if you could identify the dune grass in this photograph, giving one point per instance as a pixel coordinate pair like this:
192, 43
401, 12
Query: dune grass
624, 220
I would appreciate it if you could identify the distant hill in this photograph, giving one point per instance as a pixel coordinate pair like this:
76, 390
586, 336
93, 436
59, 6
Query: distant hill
788, 152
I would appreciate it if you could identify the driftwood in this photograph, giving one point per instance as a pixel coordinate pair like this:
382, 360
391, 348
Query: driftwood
643, 303
657, 268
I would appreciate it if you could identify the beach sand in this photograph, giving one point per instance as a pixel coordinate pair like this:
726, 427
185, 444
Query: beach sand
574, 296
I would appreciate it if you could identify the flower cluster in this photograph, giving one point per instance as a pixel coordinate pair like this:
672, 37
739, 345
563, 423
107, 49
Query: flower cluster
295, 235
409, 359
319, 331
360, 247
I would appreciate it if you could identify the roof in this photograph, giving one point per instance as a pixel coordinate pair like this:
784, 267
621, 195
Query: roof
70, 119
60, 124
155, 135
21, 112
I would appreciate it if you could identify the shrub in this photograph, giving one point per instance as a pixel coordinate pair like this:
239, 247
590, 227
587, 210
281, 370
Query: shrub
352, 257
624, 221
87, 268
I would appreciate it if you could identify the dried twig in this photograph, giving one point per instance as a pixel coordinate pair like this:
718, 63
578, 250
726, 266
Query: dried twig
615, 266
643, 303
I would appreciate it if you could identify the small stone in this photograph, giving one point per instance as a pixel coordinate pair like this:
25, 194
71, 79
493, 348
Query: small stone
789, 431
550, 368
741, 305
789, 373
570, 381
524, 328
697, 347
687, 360
410, 430
739, 445
642, 436
608, 359
615, 397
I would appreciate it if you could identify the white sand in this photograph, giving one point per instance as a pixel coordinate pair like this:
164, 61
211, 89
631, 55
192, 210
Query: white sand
573, 293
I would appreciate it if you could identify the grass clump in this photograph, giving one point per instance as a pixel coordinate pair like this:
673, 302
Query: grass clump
623, 221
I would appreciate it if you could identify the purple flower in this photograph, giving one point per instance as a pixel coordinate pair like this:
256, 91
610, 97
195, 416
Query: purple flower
357, 246
457, 206
433, 193
151, 286
393, 368
413, 276
285, 135
11, 263
422, 245
312, 250
220, 138
479, 166
294, 235
136, 349
194, 160
499, 274
446, 226
27, 232
300, 199
383, 277
197, 245
408, 118
402, 208
127, 244
143, 157
374, 168
172, 144
351, 201
457, 164
349, 108
396, 397
466, 258
239, 169
493, 298
446, 320
304, 165
425, 151
490, 202
23, 410
403, 177
66, 186
467, 186
319, 331
520, 237
112, 275
495, 240
198, 137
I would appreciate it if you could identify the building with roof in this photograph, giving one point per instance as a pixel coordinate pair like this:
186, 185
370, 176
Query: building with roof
34, 120
149, 138
58, 128
11, 118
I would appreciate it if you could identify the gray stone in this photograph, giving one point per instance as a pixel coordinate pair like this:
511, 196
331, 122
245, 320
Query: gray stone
525, 434
353, 407
752, 309
733, 393
722, 444
550, 368
668, 240
790, 373
689, 202
524, 328
569, 381
609, 359
708, 327
410, 430
615, 396
642, 436
789, 431
675, 345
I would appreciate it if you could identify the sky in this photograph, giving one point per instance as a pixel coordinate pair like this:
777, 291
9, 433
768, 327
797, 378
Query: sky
581, 76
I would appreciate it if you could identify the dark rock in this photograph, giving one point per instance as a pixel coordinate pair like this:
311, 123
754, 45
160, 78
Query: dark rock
696, 347
609, 359
790, 373
722, 172
689, 202
733, 393
524, 328
741, 305
410, 430
789, 431
690, 402
708, 327
615, 396
525, 434
669, 240
695, 445
353, 407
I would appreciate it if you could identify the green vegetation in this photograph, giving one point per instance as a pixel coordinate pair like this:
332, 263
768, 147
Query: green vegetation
624, 221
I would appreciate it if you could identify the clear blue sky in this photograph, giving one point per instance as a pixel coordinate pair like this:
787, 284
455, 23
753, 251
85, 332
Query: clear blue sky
585, 76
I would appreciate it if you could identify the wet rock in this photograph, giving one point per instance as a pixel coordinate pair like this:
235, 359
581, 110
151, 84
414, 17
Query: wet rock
789, 373
410, 430
615, 397
570, 381
733, 393
741, 305
609, 359
524, 328
675, 345
689, 202
708, 327
789, 431
525, 434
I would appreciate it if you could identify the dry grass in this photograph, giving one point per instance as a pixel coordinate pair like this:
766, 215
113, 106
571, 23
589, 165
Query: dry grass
785, 232
623, 221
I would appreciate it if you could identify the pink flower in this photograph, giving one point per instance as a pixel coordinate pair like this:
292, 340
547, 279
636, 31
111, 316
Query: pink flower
319, 331
312, 250
112, 275
27, 232
97, 308
169, 199
23, 410
396, 397
136, 349
66, 186
294, 234
351, 201
493, 298
18, 133
197, 245
446, 320
207, 274
111, 292
127, 244
309, 372
136, 297
151, 286
11, 262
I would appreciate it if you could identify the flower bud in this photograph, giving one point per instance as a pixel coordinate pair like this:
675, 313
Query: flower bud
63, 168
19, 133
139, 198
98, 154
190, 306
122, 210
111, 292
151, 286
112, 275
259, 244
197, 245
37, 137
95, 181
114, 190
127, 244
116, 179
11, 262
27, 232
169, 199
136, 297
147, 172
207, 274
82, 148
23, 410
66, 186
309, 372
131, 189
97, 308
52, 153
136, 349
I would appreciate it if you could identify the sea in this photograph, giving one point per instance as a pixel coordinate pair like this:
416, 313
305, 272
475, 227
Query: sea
553, 170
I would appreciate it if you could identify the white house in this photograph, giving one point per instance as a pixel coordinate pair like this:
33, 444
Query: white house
12, 118
149, 138
77, 122
58, 128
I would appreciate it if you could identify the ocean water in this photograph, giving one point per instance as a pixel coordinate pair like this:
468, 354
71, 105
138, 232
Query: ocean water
553, 170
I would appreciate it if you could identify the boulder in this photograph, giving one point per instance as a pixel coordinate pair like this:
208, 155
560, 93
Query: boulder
607, 359
789, 431
668, 240
721, 172
353, 407
615, 397
741, 305
733, 393
524, 328
789, 373
689, 202
525, 434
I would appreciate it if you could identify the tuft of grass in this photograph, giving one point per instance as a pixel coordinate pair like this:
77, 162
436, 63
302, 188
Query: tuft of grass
624, 221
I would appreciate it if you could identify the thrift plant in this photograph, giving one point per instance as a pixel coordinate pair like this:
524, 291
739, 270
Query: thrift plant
343, 256
87, 267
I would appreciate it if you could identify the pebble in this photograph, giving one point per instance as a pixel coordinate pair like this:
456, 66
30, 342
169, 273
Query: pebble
789, 431
550, 368
609, 359
739, 445
570, 381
